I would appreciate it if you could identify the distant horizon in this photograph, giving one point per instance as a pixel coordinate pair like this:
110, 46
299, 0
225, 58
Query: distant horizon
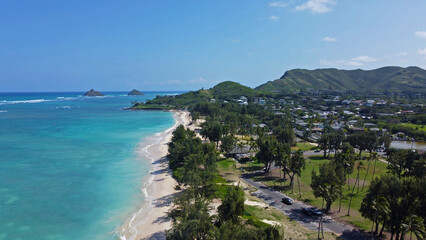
187, 90
107, 91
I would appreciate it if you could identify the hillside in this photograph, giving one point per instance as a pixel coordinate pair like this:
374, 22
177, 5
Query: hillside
230, 89
225, 90
394, 79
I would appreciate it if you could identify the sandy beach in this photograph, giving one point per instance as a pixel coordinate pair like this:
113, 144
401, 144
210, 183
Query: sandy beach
151, 221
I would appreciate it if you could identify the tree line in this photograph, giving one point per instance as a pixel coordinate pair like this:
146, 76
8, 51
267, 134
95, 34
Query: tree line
194, 166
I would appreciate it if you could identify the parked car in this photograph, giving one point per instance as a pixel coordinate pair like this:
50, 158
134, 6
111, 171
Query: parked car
326, 219
307, 211
287, 200
316, 211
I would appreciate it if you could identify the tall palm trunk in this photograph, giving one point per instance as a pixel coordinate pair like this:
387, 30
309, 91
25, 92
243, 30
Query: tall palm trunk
366, 173
374, 168
298, 183
352, 194
349, 186
357, 180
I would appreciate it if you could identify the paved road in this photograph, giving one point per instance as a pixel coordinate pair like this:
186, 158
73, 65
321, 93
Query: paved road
294, 211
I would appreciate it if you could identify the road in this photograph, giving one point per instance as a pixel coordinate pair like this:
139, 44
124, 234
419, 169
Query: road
294, 211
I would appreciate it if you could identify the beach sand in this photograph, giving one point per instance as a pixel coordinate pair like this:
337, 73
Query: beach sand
151, 220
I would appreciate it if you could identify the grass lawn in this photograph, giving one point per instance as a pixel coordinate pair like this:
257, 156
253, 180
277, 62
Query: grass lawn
414, 126
304, 146
313, 163
289, 228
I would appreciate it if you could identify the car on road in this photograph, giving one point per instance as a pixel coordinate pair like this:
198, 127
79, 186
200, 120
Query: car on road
326, 219
317, 150
287, 200
316, 211
311, 211
307, 211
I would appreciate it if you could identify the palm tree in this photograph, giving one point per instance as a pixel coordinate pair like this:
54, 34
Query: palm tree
375, 158
368, 168
414, 224
380, 206
359, 167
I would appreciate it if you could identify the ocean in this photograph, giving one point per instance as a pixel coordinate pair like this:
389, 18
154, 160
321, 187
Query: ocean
69, 167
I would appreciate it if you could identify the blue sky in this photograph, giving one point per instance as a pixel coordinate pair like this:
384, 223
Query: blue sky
54, 45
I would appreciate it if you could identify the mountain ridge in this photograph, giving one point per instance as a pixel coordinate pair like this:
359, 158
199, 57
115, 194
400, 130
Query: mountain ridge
389, 78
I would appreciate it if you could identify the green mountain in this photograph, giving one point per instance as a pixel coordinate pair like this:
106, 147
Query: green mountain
230, 89
394, 79
226, 91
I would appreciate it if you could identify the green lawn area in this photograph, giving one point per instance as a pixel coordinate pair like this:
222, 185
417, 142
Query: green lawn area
414, 126
313, 163
304, 146
288, 228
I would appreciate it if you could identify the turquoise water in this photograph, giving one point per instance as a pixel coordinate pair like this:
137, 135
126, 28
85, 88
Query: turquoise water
68, 164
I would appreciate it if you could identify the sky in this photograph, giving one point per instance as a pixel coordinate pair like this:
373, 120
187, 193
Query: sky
170, 45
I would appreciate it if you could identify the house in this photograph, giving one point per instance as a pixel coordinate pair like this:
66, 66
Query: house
370, 103
369, 125
241, 152
348, 112
244, 99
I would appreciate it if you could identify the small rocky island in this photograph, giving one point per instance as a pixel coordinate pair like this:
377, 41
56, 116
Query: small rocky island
134, 92
93, 93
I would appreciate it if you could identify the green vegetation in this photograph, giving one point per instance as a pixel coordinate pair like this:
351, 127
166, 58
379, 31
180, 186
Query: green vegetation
229, 90
304, 146
223, 91
414, 126
307, 194
263, 136
194, 165
395, 79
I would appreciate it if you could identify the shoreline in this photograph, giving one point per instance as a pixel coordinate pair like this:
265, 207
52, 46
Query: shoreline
150, 221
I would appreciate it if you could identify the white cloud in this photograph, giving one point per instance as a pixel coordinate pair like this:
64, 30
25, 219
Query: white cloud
316, 6
234, 40
364, 59
325, 62
353, 63
280, 4
173, 82
338, 63
274, 18
402, 54
329, 39
421, 51
420, 34
199, 80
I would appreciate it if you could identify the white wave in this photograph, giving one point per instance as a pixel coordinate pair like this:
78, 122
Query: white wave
63, 107
3, 111
26, 101
5, 102
68, 98
131, 227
